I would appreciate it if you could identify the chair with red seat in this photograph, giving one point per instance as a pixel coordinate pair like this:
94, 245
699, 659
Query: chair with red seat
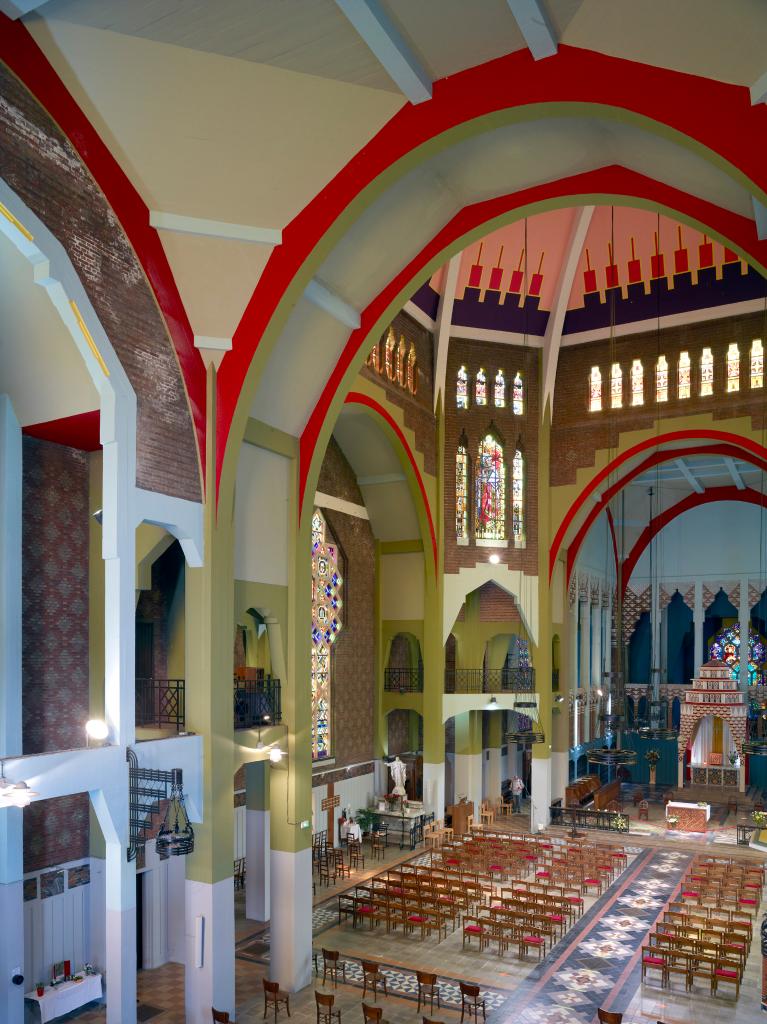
473, 928
654, 959
728, 972
531, 940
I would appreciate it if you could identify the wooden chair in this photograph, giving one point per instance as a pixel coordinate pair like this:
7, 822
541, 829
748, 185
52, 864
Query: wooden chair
654, 959
356, 856
372, 976
273, 994
239, 873
531, 940
373, 1014
644, 811
219, 1016
473, 929
325, 1012
341, 867
378, 845
471, 1002
427, 989
726, 971
332, 964
609, 1017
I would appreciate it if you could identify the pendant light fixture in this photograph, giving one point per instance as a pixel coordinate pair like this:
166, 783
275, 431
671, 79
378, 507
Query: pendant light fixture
529, 729
176, 835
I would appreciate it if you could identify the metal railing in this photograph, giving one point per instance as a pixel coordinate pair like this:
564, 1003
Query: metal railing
160, 703
497, 680
576, 817
257, 702
403, 680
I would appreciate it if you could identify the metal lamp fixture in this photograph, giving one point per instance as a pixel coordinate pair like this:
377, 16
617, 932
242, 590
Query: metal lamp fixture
176, 835
15, 794
527, 734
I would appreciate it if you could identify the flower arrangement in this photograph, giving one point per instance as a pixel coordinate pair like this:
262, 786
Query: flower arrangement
672, 821
621, 823
733, 758
760, 818
652, 757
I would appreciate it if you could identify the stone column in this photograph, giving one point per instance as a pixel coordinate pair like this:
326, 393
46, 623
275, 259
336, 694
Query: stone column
494, 740
11, 841
697, 618
572, 633
468, 758
655, 638
257, 843
433, 694
744, 613
585, 667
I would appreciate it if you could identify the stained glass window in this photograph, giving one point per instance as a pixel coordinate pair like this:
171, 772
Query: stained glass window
616, 386
661, 380
757, 363
391, 369
706, 373
637, 383
499, 391
518, 395
462, 492
517, 496
326, 625
595, 390
462, 389
374, 360
480, 388
684, 379
726, 647
491, 491
412, 371
733, 367
401, 361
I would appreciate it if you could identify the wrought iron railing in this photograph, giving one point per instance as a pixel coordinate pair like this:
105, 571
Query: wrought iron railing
403, 680
576, 817
160, 703
517, 679
257, 702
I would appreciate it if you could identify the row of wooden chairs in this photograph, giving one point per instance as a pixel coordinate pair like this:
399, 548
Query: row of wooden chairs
691, 964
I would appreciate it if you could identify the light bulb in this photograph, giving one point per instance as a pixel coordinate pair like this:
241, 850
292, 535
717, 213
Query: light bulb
494, 559
21, 795
97, 729
275, 755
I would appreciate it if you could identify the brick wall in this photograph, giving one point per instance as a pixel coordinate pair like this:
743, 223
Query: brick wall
577, 433
399, 652
418, 408
398, 725
495, 605
337, 476
55, 688
153, 605
473, 423
38, 162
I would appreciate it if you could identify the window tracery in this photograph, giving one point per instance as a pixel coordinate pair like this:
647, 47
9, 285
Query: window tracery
706, 373
661, 380
499, 390
462, 491
616, 386
733, 367
595, 390
480, 388
757, 363
326, 625
491, 491
637, 383
518, 395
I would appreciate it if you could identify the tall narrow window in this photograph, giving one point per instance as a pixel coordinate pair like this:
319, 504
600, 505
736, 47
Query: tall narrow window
733, 367
685, 375
518, 395
412, 371
499, 391
401, 361
480, 388
389, 360
637, 383
661, 380
757, 364
462, 492
518, 496
706, 373
491, 491
595, 390
616, 386
462, 389
326, 625
374, 359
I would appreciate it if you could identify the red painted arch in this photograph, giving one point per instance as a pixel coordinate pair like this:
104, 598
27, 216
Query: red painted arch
358, 398
694, 500
657, 458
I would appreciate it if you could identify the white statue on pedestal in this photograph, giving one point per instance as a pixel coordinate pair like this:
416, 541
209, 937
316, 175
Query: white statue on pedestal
398, 771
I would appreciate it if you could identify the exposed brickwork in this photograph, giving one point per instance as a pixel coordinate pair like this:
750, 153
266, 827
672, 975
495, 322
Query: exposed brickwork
418, 408
56, 831
344, 774
38, 162
399, 652
473, 423
495, 605
577, 433
337, 476
153, 605
398, 725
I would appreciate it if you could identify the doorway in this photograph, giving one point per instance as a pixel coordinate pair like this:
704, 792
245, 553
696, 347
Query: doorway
139, 921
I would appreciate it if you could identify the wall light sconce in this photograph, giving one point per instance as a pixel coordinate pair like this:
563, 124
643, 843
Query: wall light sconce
96, 729
275, 755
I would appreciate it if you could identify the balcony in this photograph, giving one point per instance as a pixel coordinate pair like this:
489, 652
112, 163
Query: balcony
517, 679
257, 702
403, 680
160, 704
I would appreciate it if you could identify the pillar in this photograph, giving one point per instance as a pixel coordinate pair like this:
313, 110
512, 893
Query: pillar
468, 758
541, 780
11, 837
744, 613
434, 654
257, 844
585, 672
493, 755
572, 632
697, 619
655, 638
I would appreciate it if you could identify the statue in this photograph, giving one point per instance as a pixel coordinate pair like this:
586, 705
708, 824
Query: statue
398, 771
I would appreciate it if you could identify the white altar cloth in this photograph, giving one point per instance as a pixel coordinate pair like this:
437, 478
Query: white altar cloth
677, 804
66, 997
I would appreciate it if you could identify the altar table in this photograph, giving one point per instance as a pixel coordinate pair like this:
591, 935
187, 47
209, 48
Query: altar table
692, 817
66, 997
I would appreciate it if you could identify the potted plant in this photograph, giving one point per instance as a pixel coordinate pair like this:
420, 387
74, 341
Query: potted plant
366, 819
652, 757
732, 758
760, 819
672, 821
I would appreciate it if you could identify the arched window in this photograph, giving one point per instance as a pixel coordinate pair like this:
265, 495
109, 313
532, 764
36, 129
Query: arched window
637, 383
661, 380
518, 496
726, 647
391, 369
733, 367
518, 395
595, 390
462, 491
401, 361
757, 363
706, 373
412, 371
491, 491
616, 386
480, 388
462, 389
374, 359
499, 391
326, 625
685, 376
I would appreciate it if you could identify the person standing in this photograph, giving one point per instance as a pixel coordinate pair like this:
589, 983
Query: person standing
517, 788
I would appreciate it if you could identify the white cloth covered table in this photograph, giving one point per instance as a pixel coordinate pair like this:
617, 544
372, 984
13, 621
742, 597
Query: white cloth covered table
354, 831
67, 996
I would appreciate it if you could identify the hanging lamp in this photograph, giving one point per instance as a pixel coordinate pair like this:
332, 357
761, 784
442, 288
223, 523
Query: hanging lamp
529, 729
176, 835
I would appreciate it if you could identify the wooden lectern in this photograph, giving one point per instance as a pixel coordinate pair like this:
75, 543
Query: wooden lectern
460, 814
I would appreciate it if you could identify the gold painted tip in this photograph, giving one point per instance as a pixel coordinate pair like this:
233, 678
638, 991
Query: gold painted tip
89, 338
16, 223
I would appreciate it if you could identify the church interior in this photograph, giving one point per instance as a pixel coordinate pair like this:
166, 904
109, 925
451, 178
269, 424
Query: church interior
383, 513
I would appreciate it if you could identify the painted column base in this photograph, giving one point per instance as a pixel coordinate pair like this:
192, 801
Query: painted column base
560, 764
209, 944
541, 793
468, 779
12, 953
434, 788
257, 857
291, 921
493, 774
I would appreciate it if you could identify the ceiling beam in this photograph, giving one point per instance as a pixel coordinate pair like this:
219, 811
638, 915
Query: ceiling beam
185, 225
553, 336
689, 476
759, 89
444, 323
760, 216
392, 50
535, 26
737, 479
323, 298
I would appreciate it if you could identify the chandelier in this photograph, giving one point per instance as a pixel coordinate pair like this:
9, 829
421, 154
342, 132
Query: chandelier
529, 729
176, 835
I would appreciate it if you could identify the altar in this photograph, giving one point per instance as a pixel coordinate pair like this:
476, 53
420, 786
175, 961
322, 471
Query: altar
690, 817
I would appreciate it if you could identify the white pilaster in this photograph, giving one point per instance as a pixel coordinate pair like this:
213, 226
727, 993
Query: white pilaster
744, 613
585, 672
596, 646
541, 793
291, 921
434, 788
697, 619
257, 861
655, 637
559, 774
572, 633
120, 930
493, 774
468, 779
209, 943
